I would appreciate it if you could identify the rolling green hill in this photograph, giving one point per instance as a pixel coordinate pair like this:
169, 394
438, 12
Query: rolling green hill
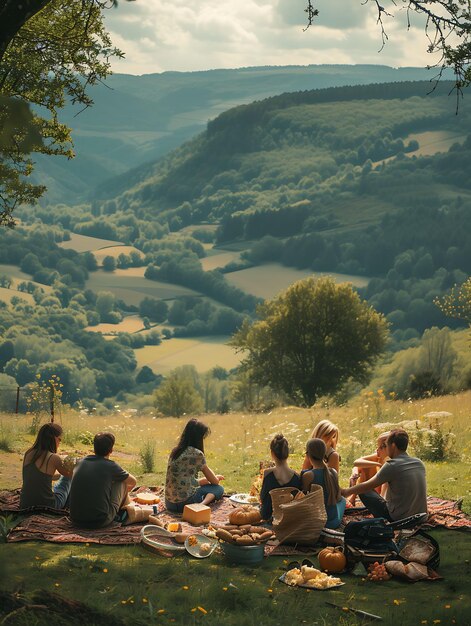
372, 183
136, 119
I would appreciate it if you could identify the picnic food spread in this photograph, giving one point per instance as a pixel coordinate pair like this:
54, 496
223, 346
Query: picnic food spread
310, 577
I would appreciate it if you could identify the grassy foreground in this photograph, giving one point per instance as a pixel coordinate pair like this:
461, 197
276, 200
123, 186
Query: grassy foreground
132, 586
129, 584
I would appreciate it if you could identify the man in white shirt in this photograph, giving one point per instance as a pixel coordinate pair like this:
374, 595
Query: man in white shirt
405, 476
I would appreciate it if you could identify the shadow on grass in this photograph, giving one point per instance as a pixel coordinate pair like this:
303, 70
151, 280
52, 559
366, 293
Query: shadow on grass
130, 586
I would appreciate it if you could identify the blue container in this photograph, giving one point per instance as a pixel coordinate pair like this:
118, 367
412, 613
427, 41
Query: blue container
244, 555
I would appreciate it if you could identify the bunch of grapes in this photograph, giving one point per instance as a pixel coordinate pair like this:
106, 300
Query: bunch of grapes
377, 572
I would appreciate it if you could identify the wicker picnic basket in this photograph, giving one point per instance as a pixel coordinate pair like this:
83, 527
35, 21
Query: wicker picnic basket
298, 520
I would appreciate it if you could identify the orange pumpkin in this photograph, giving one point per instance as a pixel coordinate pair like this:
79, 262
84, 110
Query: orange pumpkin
332, 560
244, 515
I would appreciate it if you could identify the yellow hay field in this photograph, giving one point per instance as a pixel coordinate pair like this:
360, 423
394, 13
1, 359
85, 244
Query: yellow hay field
220, 259
202, 352
132, 288
130, 324
17, 277
115, 251
434, 141
7, 294
84, 243
266, 281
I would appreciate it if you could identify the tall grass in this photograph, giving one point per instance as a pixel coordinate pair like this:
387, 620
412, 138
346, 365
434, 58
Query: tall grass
147, 456
7, 438
238, 441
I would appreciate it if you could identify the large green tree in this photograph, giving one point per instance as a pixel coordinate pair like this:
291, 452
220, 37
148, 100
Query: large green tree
312, 339
177, 395
50, 53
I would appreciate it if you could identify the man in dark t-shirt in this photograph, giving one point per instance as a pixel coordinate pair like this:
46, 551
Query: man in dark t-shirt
99, 486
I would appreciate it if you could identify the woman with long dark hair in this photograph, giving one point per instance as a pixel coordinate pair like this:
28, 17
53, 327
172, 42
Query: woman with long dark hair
182, 485
42, 465
325, 476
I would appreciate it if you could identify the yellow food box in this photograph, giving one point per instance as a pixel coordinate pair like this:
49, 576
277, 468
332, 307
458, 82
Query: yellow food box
196, 514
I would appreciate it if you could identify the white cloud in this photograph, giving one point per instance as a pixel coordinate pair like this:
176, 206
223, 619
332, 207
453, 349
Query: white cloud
184, 35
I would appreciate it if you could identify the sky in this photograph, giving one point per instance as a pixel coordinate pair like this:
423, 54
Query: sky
189, 35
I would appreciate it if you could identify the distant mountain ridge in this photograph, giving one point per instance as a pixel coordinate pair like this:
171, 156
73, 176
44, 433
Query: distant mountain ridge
137, 119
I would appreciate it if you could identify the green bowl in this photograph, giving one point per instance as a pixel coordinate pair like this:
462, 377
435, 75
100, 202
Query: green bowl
244, 555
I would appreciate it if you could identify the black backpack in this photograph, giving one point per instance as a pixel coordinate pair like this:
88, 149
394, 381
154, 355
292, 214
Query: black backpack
368, 541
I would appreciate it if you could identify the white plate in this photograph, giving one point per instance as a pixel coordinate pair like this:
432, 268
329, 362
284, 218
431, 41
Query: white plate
194, 550
282, 579
243, 498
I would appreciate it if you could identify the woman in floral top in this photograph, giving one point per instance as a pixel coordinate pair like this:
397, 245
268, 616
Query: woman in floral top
182, 485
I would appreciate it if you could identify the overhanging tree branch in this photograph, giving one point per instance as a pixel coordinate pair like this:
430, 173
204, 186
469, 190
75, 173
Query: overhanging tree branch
447, 27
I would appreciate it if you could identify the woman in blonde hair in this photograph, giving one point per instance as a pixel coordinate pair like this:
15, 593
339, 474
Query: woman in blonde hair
327, 478
329, 433
366, 467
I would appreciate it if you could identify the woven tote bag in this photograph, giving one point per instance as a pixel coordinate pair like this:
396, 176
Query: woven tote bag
279, 496
301, 520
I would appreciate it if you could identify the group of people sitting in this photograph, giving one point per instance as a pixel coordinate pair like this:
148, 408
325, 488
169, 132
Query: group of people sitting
390, 483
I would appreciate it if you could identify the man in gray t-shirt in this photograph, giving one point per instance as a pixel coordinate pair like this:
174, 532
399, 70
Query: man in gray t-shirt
405, 475
99, 486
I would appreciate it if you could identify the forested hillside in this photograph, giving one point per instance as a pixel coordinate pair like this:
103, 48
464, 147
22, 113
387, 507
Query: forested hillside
370, 181
136, 119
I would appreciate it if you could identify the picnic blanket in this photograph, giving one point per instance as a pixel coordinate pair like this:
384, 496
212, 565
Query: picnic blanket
55, 526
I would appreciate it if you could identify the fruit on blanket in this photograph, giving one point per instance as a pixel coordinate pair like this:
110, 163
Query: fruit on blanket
332, 559
181, 537
245, 515
174, 527
377, 572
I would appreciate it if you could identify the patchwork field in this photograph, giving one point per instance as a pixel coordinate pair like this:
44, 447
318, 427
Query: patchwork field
84, 243
17, 277
266, 281
130, 324
219, 259
7, 294
434, 141
430, 142
202, 352
131, 286
114, 251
